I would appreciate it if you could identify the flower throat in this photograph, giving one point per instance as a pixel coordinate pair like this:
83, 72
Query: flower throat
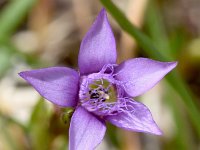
102, 90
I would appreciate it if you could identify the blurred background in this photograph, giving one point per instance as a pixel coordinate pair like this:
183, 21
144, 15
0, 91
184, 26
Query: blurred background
44, 33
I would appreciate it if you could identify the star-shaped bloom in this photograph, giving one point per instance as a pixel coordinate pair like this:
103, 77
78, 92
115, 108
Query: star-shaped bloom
101, 90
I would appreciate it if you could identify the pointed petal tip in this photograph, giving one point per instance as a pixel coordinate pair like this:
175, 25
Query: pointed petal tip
156, 130
103, 11
172, 64
22, 74
137, 119
98, 47
175, 63
159, 133
103, 15
142, 74
169, 66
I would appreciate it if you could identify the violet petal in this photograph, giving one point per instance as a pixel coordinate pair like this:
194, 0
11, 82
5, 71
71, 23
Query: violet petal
86, 130
141, 74
135, 117
98, 46
57, 84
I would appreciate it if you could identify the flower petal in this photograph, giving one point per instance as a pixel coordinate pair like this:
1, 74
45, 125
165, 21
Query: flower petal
86, 130
141, 74
135, 117
57, 84
98, 46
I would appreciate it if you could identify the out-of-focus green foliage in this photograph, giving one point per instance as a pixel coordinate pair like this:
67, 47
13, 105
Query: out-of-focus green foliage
4, 59
12, 15
39, 134
10, 18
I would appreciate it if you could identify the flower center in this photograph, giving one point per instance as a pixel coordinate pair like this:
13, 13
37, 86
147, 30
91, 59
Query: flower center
100, 93
102, 90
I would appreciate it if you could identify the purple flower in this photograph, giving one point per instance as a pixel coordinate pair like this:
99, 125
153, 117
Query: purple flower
101, 90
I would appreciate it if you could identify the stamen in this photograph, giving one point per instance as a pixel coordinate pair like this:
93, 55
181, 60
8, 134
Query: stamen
100, 93
102, 90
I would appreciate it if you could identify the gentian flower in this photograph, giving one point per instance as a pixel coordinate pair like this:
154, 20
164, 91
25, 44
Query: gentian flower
101, 90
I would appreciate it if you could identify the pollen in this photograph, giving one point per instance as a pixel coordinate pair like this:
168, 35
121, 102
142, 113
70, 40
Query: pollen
102, 90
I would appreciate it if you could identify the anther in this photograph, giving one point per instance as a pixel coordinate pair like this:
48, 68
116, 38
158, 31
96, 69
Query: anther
94, 95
